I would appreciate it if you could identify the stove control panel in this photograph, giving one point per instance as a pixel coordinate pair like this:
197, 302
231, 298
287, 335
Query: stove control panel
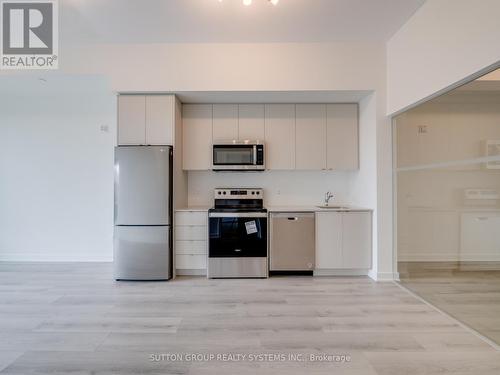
239, 193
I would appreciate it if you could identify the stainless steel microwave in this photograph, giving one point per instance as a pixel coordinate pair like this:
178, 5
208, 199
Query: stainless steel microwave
238, 156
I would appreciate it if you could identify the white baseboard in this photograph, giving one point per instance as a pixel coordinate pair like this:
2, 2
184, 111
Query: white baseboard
372, 274
384, 276
335, 272
186, 272
38, 257
448, 257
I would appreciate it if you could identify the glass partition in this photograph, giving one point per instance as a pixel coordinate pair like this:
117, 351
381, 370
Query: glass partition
448, 203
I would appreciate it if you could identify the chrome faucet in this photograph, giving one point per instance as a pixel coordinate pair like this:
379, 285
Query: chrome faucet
328, 196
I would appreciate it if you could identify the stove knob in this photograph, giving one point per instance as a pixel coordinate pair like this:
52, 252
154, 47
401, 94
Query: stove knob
219, 193
224, 193
253, 192
258, 193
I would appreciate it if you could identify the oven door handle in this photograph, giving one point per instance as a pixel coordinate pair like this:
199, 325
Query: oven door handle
238, 214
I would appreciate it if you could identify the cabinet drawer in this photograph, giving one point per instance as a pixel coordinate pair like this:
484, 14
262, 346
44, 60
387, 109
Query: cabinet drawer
191, 247
194, 233
190, 262
191, 218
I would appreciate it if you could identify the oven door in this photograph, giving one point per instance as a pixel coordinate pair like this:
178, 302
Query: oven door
237, 235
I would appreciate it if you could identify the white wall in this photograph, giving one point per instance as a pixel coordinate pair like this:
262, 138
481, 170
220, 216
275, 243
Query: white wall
444, 42
56, 168
358, 194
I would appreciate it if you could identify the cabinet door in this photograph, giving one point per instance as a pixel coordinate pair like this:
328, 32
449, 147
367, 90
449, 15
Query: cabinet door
280, 136
251, 122
310, 152
356, 240
159, 119
342, 136
197, 136
328, 240
479, 236
131, 119
225, 122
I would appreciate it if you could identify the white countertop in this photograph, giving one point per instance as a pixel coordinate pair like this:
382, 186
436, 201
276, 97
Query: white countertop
288, 208
312, 208
193, 208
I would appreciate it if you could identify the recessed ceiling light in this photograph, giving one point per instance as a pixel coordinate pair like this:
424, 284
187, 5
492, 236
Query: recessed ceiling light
247, 2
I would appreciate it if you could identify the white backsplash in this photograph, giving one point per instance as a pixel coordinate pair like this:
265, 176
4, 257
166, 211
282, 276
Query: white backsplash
280, 187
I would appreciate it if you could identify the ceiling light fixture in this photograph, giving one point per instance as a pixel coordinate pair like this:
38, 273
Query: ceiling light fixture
249, 2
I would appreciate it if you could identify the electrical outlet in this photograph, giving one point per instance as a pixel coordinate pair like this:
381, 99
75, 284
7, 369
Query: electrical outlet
104, 128
422, 129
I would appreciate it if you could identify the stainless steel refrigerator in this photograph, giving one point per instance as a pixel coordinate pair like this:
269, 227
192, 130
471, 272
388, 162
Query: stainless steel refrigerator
143, 213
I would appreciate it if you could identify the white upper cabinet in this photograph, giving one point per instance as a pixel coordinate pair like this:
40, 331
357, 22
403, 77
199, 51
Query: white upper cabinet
297, 136
160, 113
251, 122
280, 136
225, 122
342, 136
310, 152
197, 136
131, 119
146, 119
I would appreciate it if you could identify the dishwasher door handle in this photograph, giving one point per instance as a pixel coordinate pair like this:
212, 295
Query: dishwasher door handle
293, 218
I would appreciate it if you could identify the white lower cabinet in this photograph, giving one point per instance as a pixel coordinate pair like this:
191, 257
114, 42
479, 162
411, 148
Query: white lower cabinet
357, 240
191, 242
343, 241
191, 247
191, 232
187, 264
328, 240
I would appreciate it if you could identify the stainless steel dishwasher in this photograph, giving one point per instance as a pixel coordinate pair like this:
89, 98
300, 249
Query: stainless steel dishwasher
292, 241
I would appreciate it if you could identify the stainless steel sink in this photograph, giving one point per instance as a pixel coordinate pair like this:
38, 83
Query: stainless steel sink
334, 207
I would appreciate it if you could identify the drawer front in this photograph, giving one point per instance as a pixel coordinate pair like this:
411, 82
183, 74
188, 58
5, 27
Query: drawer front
191, 247
191, 218
190, 262
194, 233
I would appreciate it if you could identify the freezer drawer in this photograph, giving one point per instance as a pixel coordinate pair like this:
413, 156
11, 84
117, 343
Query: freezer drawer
142, 185
292, 241
142, 253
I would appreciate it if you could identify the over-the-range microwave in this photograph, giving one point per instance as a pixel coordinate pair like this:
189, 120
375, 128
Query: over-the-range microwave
238, 156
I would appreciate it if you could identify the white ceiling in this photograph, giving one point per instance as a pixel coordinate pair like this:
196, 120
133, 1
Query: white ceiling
229, 21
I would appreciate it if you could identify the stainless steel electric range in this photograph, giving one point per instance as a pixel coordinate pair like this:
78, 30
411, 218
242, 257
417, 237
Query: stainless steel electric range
237, 234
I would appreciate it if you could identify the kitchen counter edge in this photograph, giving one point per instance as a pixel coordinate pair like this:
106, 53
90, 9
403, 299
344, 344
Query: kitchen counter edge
316, 209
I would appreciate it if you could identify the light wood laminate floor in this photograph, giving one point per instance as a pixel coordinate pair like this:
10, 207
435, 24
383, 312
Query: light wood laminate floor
469, 291
75, 319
